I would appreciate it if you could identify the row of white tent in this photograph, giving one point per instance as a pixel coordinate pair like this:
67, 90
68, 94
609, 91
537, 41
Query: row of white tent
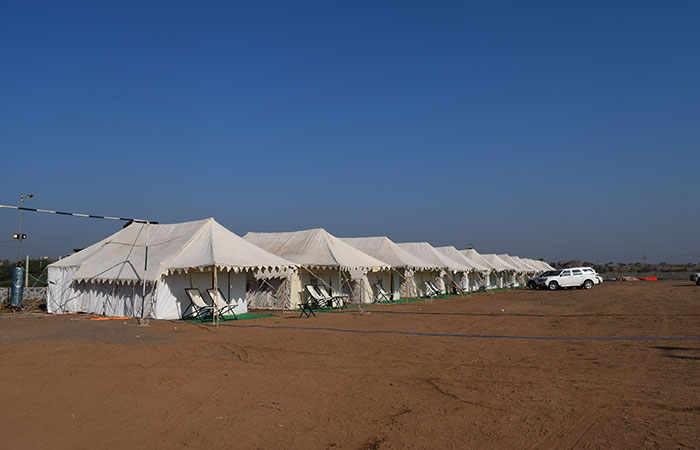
144, 269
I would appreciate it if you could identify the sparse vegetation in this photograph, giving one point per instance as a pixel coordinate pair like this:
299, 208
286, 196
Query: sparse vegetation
37, 272
612, 267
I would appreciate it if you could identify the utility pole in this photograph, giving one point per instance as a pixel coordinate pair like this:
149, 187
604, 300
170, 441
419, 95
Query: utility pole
20, 237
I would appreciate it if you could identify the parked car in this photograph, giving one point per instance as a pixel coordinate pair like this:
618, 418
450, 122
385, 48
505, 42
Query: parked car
598, 279
578, 277
695, 277
532, 282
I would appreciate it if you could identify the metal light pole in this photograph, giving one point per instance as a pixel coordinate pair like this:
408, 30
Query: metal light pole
19, 237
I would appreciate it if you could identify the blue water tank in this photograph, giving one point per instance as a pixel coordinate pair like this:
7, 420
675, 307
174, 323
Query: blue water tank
17, 287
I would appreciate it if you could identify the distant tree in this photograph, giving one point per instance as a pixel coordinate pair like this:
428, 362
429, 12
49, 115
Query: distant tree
37, 272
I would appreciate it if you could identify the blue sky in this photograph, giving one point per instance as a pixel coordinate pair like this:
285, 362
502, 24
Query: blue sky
543, 129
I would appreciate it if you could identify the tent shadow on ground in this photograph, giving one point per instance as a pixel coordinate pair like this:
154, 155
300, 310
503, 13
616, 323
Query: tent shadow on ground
667, 349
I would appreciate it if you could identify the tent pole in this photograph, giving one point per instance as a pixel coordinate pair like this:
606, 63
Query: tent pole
145, 268
216, 292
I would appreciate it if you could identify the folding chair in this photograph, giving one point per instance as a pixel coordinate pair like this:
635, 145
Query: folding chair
383, 295
197, 304
336, 300
222, 306
318, 298
306, 308
437, 291
315, 301
430, 289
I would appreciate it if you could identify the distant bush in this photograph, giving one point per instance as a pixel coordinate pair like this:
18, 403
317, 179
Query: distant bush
37, 272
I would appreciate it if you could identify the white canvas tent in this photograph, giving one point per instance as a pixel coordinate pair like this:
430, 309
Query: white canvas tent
495, 276
451, 270
537, 265
532, 263
325, 259
541, 264
499, 263
509, 271
529, 268
509, 259
476, 279
522, 271
406, 266
108, 277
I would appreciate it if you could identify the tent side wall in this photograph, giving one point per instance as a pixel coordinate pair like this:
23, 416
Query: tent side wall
267, 293
407, 287
59, 294
273, 291
382, 277
422, 276
124, 300
338, 280
171, 301
110, 299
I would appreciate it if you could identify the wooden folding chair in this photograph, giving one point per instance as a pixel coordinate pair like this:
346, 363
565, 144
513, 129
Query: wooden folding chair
383, 295
222, 306
336, 300
197, 305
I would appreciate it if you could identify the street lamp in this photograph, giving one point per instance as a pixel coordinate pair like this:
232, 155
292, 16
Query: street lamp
20, 237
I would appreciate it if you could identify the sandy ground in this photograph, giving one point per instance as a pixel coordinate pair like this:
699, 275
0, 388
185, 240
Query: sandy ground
451, 373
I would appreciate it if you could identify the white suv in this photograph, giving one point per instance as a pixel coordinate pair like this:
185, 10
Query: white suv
579, 277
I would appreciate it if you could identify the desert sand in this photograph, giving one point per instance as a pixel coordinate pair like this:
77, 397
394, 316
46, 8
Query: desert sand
508, 369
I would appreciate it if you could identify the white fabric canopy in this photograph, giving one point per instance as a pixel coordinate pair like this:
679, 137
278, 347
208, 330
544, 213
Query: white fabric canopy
316, 249
172, 248
524, 264
545, 265
519, 267
428, 253
452, 253
476, 257
499, 263
540, 265
386, 250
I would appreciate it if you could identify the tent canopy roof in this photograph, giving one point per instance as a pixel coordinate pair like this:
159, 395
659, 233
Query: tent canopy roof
524, 264
539, 265
546, 265
171, 248
316, 248
475, 256
428, 253
499, 263
452, 253
517, 264
385, 249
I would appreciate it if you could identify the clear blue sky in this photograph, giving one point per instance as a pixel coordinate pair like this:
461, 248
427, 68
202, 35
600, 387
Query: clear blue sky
543, 129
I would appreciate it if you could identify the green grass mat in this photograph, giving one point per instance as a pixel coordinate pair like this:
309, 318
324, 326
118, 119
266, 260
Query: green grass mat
245, 316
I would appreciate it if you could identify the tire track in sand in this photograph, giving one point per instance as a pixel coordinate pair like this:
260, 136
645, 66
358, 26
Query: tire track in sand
569, 433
